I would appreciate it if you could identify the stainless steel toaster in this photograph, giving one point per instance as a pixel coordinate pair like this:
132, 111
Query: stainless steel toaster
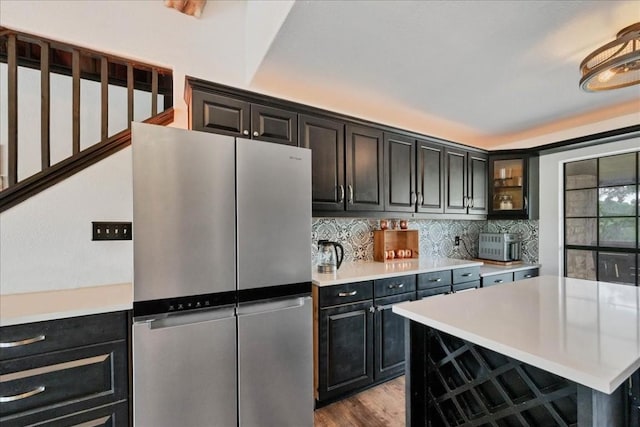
500, 246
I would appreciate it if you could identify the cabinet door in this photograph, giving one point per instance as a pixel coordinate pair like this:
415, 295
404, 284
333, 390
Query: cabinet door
274, 125
219, 114
478, 171
325, 138
399, 173
346, 348
364, 173
456, 181
513, 189
430, 177
389, 337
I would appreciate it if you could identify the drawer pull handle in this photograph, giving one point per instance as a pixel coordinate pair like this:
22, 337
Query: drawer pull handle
347, 294
467, 275
527, 276
37, 390
439, 279
22, 342
398, 286
498, 281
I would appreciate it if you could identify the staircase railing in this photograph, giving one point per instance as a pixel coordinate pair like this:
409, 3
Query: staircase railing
149, 84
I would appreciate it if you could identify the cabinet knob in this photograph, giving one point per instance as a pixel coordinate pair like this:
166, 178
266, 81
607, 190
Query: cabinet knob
372, 309
436, 280
498, 281
245, 132
255, 133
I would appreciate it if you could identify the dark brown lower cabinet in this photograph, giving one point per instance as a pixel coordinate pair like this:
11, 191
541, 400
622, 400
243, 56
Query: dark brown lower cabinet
389, 337
78, 377
360, 343
345, 349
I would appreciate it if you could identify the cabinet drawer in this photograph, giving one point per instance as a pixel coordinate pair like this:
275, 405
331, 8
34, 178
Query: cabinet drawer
496, 279
525, 274
64, 382
116, 415
434, 279
343, 294
467, 274
434, 291
40, 337
394, 285
467, 285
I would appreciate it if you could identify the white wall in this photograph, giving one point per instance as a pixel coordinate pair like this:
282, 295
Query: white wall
45, 242
551, 188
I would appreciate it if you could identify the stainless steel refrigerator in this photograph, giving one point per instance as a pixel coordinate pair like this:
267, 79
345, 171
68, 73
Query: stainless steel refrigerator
222, 332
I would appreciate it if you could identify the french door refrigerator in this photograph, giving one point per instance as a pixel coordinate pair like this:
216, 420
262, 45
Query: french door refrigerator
222, 332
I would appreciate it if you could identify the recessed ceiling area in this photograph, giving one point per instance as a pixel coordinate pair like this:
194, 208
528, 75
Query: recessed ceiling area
484, 73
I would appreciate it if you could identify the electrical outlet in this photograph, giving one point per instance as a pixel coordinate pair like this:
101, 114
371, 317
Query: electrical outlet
111, 230
457, 241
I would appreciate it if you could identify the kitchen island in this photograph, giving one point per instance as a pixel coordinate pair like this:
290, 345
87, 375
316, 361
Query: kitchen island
542, 351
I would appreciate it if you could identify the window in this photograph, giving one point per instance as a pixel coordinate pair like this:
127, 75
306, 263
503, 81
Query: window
601, 219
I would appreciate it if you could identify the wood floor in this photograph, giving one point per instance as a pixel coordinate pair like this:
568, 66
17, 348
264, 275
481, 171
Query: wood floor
380, 406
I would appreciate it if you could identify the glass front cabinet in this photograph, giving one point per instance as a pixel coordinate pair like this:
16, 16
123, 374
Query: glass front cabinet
513, 186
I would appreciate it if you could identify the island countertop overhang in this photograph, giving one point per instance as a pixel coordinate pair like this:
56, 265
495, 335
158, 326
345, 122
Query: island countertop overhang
587, 332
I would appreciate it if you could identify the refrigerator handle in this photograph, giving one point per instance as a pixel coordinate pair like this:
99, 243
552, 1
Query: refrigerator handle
271, 305
188, 318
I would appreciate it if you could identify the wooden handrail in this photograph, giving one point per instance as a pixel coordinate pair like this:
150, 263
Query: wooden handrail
19, 49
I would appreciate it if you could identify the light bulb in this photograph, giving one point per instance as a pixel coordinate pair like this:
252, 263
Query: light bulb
606, 75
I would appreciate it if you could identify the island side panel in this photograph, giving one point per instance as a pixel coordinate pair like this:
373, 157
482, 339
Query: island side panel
454, 382
415, 373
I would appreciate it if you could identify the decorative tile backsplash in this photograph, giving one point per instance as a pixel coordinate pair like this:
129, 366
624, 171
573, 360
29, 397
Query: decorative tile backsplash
436, 236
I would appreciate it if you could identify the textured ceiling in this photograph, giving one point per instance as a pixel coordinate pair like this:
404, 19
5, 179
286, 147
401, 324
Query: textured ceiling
486, 73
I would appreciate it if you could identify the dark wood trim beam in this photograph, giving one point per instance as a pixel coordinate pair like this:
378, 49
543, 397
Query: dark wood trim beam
45, 106
129, 95
104, 99
75, 65
154, 91
66, 168
12, 105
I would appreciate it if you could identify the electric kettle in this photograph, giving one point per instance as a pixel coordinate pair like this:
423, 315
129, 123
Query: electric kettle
328, 260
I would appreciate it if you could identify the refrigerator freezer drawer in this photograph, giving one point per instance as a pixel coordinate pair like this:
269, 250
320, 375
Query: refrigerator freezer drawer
185, 373
275, 364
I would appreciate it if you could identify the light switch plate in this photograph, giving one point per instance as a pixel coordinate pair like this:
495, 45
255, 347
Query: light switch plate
111, 230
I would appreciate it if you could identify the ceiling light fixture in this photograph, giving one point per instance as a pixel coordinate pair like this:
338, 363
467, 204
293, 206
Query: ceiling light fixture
614, 65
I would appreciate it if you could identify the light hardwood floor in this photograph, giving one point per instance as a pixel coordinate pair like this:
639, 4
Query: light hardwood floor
380, 406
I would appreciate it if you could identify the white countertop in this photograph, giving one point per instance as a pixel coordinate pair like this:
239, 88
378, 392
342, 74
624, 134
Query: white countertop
38, 306
492, 269
370, 270
587, 332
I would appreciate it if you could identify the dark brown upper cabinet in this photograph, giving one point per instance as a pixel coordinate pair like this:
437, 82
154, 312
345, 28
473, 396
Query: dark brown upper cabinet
466, 182
399, 173
364, 148
477, 202
274, 125
325, 138
220, 114
430, 177
513, 186
211, 112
